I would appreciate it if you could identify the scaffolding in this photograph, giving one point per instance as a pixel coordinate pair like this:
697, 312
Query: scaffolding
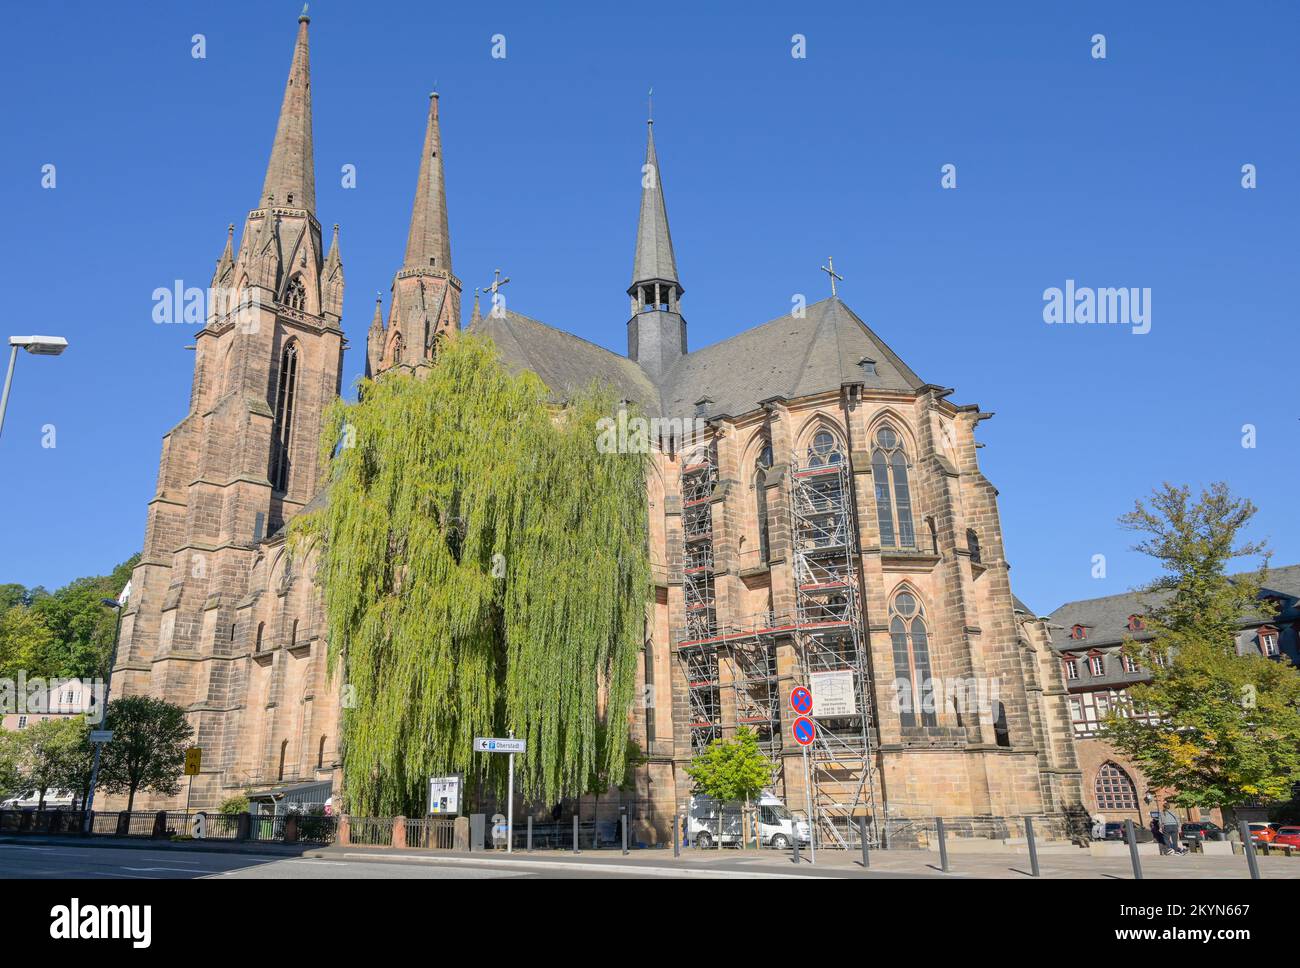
730, 667
831, 646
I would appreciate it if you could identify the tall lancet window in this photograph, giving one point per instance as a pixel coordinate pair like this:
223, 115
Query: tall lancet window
893, 495
281, 435
761, 466
913, 683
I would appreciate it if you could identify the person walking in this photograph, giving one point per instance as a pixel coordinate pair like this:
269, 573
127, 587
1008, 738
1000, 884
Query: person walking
1158, 832
1173, 830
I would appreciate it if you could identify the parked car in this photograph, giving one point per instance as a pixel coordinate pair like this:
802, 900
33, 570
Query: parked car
31, 799
1115, 831
711, 822
1287, 837
1199, 831
1263, 833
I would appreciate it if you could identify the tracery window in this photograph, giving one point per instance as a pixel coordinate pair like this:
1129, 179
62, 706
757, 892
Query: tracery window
893, 494
913, 683
282, 433
1114, 789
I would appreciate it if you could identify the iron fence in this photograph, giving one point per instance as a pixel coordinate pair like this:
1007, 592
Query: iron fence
433, 834
371, 831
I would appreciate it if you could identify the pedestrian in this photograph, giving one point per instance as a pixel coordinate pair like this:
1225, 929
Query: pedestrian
1158, 832
1173, 829
1099, 827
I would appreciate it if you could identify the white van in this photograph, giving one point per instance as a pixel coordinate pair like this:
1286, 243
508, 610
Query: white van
711, 822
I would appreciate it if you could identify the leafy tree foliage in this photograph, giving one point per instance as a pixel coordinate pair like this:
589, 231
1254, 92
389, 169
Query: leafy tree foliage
48, 752
735, 769
485, 568
150, 737
1227, 727
65, 634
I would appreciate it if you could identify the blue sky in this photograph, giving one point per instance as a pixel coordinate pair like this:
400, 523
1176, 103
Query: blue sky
1117, 172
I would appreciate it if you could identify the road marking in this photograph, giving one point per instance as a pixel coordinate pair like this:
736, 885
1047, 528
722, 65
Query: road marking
542, 865
183, 870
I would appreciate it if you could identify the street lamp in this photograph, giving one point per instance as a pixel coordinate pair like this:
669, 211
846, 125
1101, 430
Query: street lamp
116, 605
37, 346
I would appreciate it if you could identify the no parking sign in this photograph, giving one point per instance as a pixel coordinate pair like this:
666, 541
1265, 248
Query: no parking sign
801, 700
804, 731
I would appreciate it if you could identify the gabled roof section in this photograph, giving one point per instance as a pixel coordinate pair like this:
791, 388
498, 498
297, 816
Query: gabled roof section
565, 363
788, 357
1107, 618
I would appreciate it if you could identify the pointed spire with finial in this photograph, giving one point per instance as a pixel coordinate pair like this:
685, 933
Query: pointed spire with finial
428, 244
291, 175
654, 260
476, 316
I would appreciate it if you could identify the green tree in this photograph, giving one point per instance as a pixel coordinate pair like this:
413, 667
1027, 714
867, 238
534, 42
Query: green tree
25, 642
11, 779
150, 737
735, 769
484, 567
234, 805
47, 751
1225, 729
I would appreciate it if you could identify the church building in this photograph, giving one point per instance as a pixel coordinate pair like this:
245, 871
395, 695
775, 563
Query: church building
830, 528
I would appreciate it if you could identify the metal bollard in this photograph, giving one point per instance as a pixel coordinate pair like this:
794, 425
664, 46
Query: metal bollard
1131, 837
1032, 844
943, 844
530, 835
866, 860
623, 818
677, 835
575, 833
1248, 848
795, 856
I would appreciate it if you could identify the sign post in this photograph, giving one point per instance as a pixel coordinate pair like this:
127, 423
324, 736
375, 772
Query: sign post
804, 733
193, 764
492, 744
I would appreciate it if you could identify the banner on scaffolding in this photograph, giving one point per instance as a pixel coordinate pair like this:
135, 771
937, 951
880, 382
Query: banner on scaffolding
833, 694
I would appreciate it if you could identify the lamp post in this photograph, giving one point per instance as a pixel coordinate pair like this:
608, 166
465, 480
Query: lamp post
114, 604
37, 346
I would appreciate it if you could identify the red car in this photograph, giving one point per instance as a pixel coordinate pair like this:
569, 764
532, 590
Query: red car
1262, 833
1288, 836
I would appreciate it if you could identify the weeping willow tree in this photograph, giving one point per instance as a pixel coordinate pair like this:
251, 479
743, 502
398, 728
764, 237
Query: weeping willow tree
484, 568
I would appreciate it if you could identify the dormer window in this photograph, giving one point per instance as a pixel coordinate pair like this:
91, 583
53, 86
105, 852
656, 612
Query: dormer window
702, 407
1135, 623
1097, 665
868, 366
1128, 664
1268, 641
1071, 669
1078, 632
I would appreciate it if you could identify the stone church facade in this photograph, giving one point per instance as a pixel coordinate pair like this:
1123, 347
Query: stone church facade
830, 527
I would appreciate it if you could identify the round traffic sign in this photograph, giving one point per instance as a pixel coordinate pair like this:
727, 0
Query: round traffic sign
804, 731
801, 700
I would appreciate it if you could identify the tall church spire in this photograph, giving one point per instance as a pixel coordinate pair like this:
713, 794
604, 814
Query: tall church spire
428, 243
654, 261
426, 296
656, 333
290, 176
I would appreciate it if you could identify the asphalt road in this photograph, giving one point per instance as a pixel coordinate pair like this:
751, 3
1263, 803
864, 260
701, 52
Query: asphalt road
93, 863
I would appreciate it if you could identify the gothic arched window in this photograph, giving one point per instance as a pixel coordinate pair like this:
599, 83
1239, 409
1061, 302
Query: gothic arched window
295, 297
1114, 788
761, 465
281, 435
913, 684
824, 450
397, 348
893, 496
284, 752
261, 627
973, 545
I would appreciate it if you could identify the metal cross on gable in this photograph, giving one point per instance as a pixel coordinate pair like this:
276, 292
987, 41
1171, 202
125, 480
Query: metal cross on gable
497, 283
829, 269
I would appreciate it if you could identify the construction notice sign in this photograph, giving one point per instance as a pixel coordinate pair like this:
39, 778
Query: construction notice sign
193, 760
833, 694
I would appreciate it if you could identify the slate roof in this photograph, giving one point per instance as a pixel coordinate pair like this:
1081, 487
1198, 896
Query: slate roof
566, 363
1106, 618
788, 357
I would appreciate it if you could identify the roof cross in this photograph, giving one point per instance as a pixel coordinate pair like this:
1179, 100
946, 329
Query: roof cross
829, 269
497, 283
